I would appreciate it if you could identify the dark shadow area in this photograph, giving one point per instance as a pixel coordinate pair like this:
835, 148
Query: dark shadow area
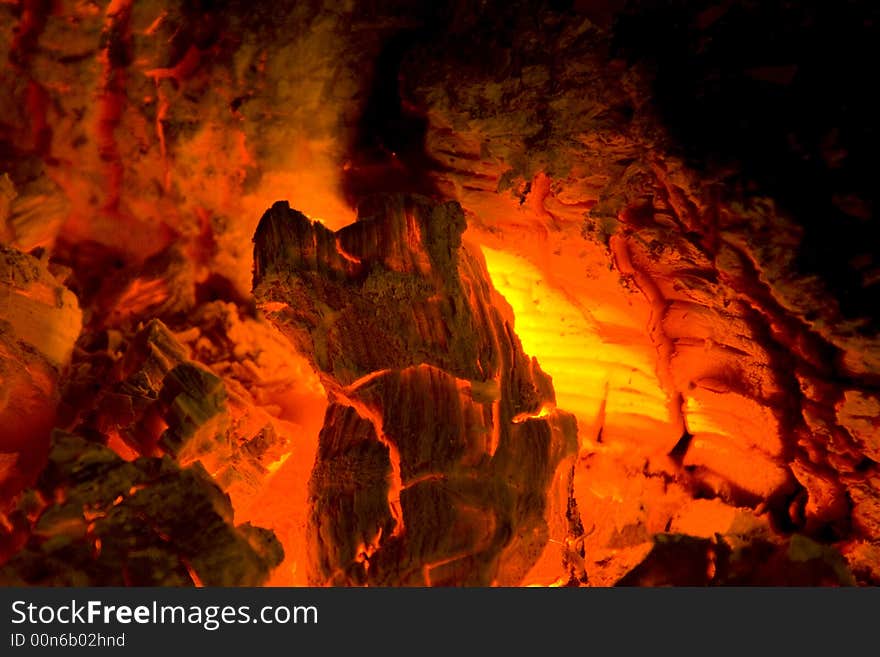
387, 151
778, 99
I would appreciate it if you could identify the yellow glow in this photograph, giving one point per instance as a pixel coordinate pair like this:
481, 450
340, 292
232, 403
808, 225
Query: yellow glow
599, 372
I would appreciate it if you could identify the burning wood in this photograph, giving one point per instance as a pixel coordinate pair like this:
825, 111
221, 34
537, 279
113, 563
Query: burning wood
555, 306
424, 474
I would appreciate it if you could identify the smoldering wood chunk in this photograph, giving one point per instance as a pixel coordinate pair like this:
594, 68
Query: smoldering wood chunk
39, 311
32, 211
132, 405
158, 401
443, 442
196, 401
131, 370
373, 295
432, 500
40, 320
739, 560
96, 519
859, 413
153, 353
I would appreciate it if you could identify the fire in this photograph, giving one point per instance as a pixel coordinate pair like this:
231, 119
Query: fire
519, 258
600, 373
631, 414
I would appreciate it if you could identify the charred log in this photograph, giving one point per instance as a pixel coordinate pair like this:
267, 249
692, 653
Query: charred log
442, 453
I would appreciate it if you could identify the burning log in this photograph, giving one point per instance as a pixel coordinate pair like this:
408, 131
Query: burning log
442, 445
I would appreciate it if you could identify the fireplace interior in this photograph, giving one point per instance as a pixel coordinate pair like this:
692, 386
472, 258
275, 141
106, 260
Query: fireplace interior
410, 293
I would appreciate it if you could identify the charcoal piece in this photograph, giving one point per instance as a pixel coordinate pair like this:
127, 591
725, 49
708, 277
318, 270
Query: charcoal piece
108, 522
